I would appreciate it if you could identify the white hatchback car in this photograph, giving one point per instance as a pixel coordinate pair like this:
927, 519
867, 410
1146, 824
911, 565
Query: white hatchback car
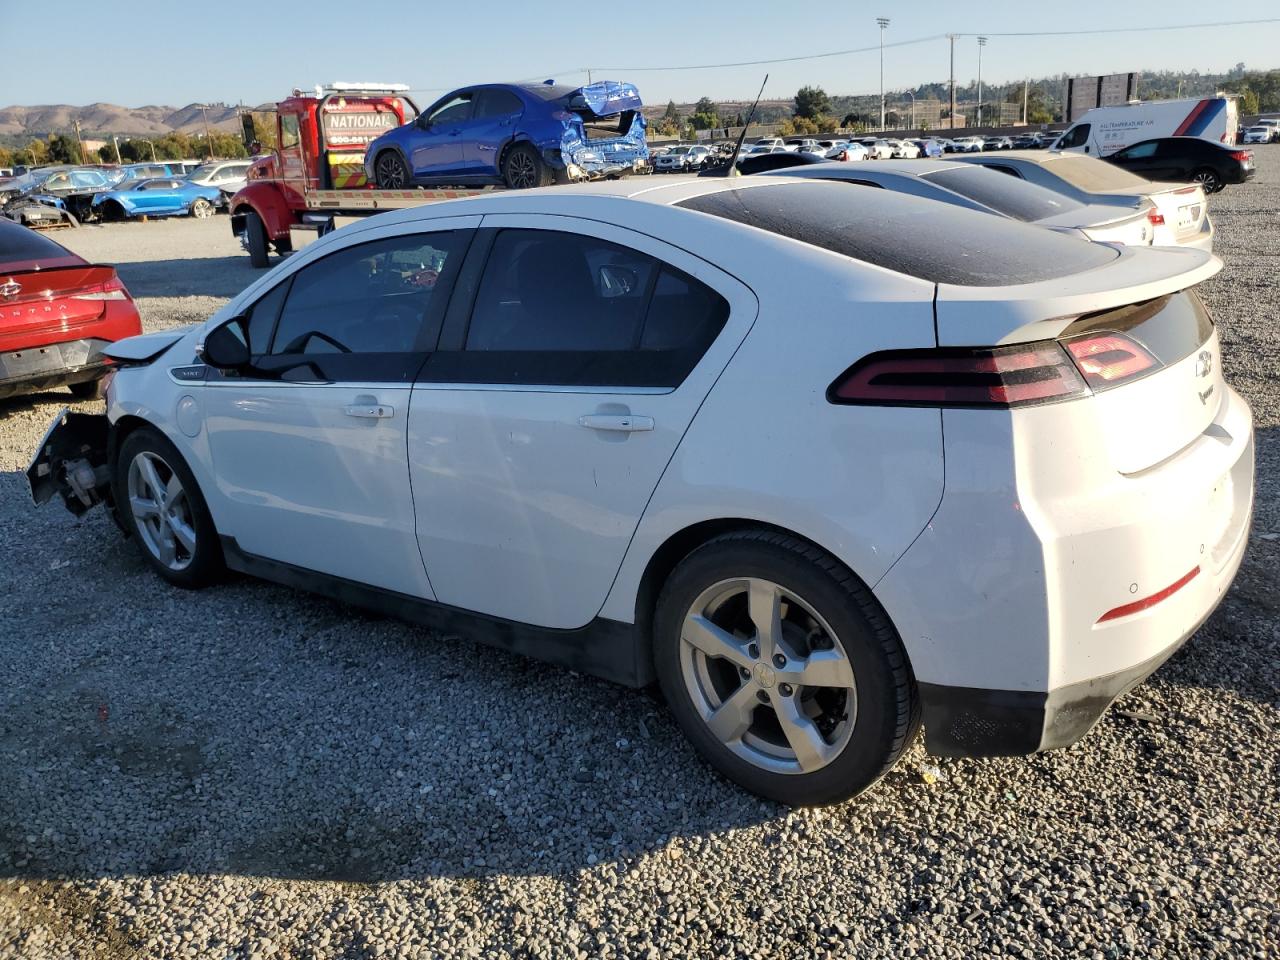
719, 463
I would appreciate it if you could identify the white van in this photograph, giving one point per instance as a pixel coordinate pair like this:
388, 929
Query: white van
1104, 130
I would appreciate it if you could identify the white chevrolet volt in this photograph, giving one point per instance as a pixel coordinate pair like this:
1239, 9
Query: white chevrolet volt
822, 482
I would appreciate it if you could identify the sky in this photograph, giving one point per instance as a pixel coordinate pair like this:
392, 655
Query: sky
178, 54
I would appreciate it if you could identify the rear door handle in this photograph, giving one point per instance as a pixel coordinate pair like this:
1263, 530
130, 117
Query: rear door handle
368, 411
618, 423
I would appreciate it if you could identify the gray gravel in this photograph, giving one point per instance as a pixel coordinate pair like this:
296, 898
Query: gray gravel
251, 772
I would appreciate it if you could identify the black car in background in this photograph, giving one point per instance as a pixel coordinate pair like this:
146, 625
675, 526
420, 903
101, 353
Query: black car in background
1187, 160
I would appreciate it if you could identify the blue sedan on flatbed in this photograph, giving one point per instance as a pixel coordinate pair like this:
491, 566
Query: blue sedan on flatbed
157, 198
516, 134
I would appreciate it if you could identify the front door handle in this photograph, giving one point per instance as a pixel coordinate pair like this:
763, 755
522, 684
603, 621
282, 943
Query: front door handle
368, 408
617, 423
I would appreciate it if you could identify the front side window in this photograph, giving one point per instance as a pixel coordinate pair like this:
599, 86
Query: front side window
1077, 136
453, 110
368, 312
1139, 151
559, 308
288, 131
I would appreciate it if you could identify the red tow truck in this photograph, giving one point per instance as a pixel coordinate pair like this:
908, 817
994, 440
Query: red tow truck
314, 179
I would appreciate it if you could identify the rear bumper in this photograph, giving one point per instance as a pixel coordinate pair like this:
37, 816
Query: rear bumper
52, 365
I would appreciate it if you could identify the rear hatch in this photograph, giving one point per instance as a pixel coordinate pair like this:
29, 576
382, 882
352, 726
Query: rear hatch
604, 125
1134, 328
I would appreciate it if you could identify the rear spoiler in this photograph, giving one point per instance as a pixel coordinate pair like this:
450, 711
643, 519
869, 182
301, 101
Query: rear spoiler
605, 99
148, 346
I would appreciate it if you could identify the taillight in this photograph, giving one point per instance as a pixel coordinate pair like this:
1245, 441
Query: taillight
1109, 359
1242, 155
1012, 376
112, 289
1155, 217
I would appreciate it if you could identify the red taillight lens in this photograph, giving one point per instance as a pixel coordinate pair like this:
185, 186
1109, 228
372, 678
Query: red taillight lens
1011, 376
111, 289
1155, 217
1110, 359
1242, 155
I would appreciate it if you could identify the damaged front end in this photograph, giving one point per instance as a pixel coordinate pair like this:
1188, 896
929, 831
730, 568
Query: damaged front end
72, 461
603, 133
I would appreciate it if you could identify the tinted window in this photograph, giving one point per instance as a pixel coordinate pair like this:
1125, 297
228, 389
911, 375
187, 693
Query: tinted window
564, 309
1077, 136
1139, 150
367, 312
1014, 198
497, 103
19, 244
937, 242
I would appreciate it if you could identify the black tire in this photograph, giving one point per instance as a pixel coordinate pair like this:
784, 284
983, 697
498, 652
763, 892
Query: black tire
1208, 178
887, 714
523, 169
255, 234
284, 245
390, 172
205, 564
84, 389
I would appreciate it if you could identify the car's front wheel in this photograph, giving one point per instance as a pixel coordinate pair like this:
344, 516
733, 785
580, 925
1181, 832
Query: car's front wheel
160, 504
390, 172
782, 669
201, 208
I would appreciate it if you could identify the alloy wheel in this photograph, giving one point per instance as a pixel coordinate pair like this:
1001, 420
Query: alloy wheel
161, 511
768, 676
390, 172
202, 208
522, 171
1209, 180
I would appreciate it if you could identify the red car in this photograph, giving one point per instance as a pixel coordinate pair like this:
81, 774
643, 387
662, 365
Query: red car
57, 312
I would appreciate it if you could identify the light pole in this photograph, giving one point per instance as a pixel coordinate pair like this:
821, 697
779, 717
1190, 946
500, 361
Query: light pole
884, 22
982, 42
149, 144
951, 118
208, 139
913, 109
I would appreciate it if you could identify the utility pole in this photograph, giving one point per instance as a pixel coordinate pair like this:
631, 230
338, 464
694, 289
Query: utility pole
208, 140
1024, 101
115, 142
884, 22
75, 124
982, 42
913, 109
951, 119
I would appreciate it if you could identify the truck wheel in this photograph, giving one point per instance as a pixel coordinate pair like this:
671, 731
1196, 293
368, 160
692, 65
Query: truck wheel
390, 173
255, 235
522, 168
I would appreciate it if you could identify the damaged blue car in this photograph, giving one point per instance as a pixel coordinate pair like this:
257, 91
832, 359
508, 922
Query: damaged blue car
519, 135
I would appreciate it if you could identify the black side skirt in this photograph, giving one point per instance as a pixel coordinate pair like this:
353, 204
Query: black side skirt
603, 648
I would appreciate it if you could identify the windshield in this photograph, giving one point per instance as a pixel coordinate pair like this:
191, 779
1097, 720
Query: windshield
679, 149
1095, 175
202, 171
1004, 194
26, 181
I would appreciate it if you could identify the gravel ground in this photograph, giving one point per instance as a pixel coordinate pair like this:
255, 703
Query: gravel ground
251, 772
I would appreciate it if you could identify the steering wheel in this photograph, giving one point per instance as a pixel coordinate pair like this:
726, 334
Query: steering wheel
299, 343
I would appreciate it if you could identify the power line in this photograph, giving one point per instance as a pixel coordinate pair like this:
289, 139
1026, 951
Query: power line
1077, 33
759, 63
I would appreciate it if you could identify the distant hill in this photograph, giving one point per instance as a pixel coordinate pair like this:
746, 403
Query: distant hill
19, 124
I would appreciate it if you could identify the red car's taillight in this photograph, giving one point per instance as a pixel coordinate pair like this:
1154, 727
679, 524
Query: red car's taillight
1018, 375
111, 289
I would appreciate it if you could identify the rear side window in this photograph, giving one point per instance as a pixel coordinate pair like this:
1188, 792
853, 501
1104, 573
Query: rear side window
1014, 198
497, 103
563, 309
940, 243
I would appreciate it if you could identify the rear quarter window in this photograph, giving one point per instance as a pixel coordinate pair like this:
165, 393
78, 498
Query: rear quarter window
1008, 195
940, 243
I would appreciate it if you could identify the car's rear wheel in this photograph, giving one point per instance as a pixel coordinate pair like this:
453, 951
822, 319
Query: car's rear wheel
782, 669
390, 172
160, 504
255, 239
522, 168
1209, 179
201, 208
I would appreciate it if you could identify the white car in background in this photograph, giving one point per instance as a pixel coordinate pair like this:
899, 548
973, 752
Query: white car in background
424, 413
1179, 212
903, 150
228, 176
968, 144
877, 149
1260, 133
681, 159
846, 151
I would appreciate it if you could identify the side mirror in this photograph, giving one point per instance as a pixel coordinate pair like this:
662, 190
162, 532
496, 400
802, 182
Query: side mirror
227, 346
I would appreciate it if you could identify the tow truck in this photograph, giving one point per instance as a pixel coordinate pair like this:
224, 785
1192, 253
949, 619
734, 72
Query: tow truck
314, 180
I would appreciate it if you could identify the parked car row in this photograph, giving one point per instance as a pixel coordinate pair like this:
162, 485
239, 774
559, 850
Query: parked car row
58, 195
